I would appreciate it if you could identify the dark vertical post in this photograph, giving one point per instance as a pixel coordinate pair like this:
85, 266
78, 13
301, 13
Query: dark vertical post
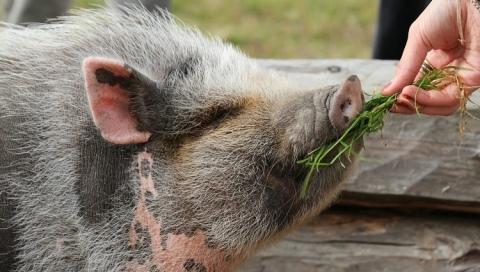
394, 20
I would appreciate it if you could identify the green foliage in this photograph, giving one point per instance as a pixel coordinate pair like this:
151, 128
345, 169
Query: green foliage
284, 28
87, 3
287, 28
368, 121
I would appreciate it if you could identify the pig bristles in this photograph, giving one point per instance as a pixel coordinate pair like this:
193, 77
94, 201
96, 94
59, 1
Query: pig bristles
50, 56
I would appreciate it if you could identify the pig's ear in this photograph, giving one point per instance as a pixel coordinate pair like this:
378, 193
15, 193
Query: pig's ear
111, 87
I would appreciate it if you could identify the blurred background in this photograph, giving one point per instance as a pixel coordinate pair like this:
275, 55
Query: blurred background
283, 28
267, 28
270, 28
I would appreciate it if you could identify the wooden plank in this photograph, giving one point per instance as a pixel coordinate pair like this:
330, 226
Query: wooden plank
418, 161
405, 202
316, 73
422, 157
375, 240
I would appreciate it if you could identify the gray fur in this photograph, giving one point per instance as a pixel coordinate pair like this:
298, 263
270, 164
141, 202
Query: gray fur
235, 178
151, 5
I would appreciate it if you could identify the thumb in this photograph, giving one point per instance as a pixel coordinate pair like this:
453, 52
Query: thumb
413, 56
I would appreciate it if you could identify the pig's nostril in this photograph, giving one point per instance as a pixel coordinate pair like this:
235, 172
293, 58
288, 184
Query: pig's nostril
352, 78
346, 103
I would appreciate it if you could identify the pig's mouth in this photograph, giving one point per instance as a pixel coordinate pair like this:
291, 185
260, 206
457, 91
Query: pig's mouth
327, 101
336, 115
327, 115
335, 112
336, 132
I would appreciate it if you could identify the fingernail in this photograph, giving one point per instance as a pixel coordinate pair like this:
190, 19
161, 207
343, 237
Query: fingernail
407, 103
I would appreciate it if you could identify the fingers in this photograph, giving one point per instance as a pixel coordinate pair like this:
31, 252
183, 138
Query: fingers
415, 100
438, 58
412, 58
441, 58
448, 97
402, 109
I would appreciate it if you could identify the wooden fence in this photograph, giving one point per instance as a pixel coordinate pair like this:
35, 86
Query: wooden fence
413, 205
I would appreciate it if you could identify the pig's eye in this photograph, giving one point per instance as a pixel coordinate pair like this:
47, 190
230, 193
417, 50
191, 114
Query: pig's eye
219, 113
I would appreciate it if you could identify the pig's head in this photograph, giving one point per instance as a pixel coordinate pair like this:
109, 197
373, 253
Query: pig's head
217, 174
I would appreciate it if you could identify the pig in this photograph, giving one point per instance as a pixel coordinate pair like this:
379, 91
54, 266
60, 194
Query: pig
130, 142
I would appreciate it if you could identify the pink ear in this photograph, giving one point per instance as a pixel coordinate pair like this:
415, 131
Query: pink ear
109, 101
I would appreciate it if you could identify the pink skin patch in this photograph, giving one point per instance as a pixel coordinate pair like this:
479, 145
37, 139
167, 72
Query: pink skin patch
179, 248
109, 104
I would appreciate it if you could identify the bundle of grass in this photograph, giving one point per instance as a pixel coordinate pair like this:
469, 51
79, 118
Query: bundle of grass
436, 79
371, 120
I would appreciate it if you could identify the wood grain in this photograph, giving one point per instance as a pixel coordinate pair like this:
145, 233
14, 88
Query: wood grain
353, 239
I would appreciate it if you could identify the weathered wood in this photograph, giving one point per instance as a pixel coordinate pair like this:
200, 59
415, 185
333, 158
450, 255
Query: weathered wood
417, 161
422, 157
316, 73
376, 240
405, 202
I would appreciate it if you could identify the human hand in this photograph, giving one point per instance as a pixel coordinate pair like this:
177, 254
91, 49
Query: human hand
436, 36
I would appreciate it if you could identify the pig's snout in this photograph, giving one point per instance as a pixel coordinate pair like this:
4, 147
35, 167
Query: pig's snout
346, 103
